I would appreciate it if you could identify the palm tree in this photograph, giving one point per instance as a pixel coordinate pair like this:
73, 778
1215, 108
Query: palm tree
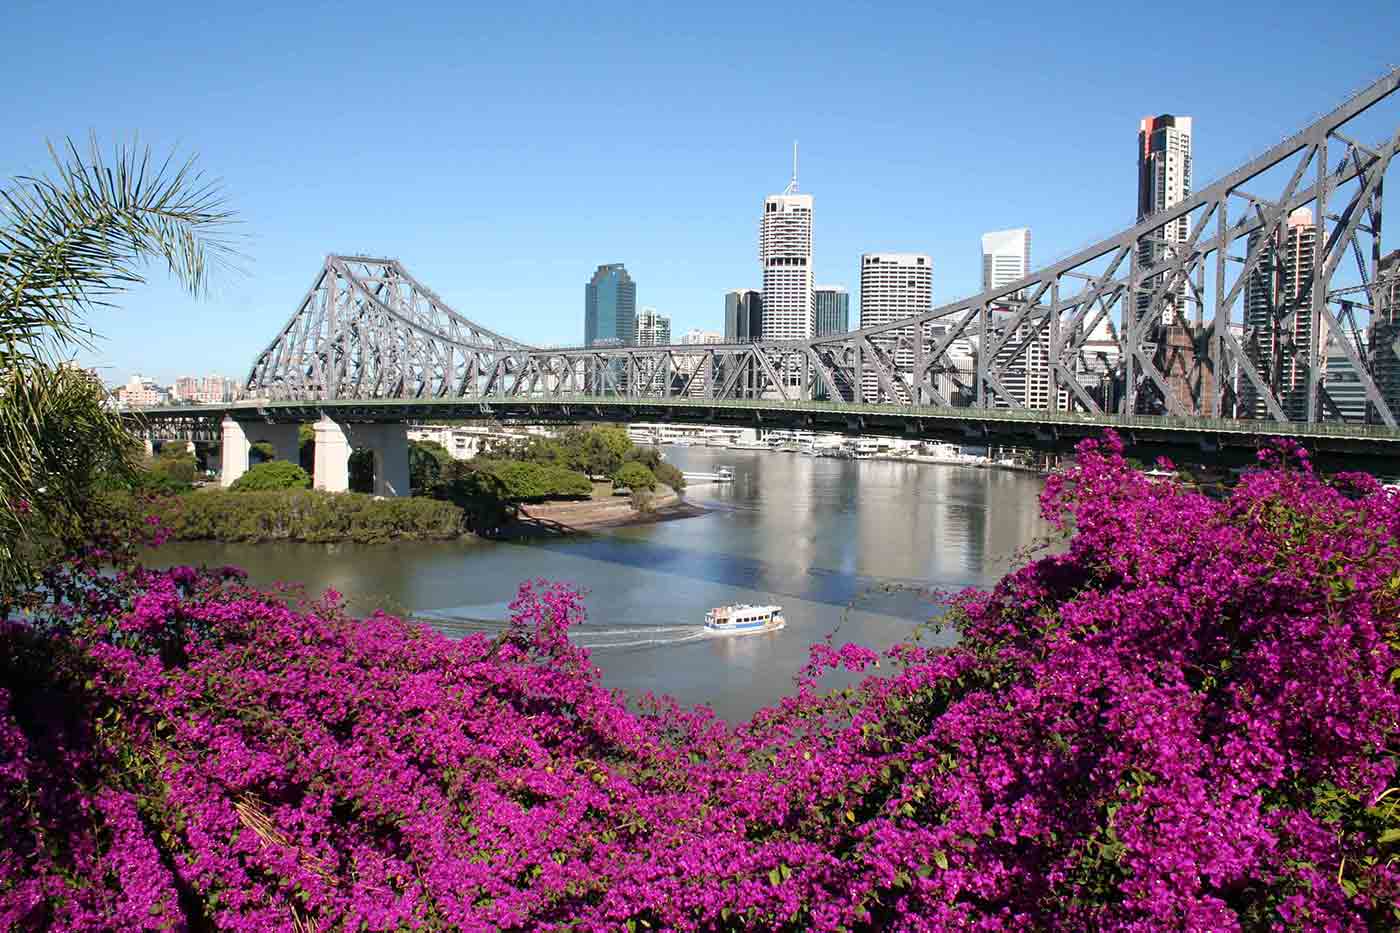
70, 242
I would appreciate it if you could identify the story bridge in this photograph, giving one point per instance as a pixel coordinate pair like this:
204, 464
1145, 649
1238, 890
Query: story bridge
1219, 317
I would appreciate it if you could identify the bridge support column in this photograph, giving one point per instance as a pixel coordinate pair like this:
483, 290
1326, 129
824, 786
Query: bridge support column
233, 454
335, 441
390, 445
332, 456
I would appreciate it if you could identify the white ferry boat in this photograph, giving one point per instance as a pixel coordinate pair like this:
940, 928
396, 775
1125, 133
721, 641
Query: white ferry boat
744, 619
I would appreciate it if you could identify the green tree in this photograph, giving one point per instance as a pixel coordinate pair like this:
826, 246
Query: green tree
175, 463
614, 439
634, 476
69, 242
274, 474
670, 475
306, 448
261, 452
360, 467
648, 457
426, 460
665, 473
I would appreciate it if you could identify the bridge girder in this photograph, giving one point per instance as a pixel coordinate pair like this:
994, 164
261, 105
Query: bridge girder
1174, 285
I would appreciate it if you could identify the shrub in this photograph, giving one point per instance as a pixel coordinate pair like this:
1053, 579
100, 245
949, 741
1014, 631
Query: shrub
634, 476
666, 473
426, 461
537, 482
272, 474
670, 475
295, 515
1187, 719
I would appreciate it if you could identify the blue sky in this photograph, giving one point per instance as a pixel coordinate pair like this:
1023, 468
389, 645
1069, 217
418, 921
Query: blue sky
503, 152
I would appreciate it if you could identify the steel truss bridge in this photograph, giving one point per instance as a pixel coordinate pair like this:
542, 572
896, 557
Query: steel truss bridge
1185, 352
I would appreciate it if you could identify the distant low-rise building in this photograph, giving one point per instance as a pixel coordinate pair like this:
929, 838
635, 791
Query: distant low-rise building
696, 335
140, 392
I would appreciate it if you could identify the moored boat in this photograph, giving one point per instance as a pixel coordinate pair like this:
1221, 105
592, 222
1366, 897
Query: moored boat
743, 619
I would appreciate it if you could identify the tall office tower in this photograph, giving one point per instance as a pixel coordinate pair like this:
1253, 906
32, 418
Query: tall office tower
1278, 287
1344, 388
610, 306
893, 286
743, 315
785, 252
1006, 256
1164, 180
1383, 337
653, 328
833, 310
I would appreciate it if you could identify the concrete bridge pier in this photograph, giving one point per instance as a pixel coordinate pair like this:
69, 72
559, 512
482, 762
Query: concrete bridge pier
335, 442
233, 456
239, 438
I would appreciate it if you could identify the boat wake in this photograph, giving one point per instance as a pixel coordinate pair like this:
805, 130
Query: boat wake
458, 624
636, 637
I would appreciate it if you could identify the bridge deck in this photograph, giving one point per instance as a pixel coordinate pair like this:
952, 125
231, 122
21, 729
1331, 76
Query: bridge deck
1211, 438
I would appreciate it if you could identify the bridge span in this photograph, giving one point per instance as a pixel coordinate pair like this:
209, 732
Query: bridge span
1206, 351
380, 424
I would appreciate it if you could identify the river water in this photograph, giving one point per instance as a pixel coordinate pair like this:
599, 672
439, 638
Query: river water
857, 545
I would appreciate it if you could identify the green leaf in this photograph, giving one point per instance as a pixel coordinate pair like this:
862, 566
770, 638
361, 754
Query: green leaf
940, 859
774, 877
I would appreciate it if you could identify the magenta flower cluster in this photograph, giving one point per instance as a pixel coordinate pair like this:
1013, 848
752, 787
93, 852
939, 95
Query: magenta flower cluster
1187, 718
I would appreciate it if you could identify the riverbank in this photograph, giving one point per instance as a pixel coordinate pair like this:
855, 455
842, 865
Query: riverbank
561, 518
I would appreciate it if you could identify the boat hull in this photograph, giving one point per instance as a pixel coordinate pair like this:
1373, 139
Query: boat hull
729, 631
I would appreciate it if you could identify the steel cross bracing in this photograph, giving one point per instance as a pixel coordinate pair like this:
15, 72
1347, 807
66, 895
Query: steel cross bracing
368, 329
1179, 338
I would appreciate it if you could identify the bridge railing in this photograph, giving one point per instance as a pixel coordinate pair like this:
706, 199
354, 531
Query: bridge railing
488, 406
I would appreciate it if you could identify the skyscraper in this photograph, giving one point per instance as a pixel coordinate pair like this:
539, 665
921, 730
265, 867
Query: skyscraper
833, 309
1279, 286
1383, 337
743, 315
785, 252
1006, 256
610, 306
653, 328
893, 286
1164, 180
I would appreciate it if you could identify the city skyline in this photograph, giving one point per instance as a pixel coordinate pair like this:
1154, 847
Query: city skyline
537, 187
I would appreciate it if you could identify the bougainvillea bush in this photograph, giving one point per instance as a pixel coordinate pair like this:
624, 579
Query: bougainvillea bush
1187, 719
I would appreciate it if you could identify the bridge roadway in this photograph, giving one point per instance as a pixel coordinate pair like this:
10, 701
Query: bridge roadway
1333, 445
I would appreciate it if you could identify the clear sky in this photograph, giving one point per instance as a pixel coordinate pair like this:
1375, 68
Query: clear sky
502, 151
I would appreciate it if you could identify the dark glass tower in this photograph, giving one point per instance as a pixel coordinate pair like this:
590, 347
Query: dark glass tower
833, 309
610, 306
743, 315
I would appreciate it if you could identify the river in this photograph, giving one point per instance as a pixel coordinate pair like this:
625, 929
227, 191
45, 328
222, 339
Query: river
838, 543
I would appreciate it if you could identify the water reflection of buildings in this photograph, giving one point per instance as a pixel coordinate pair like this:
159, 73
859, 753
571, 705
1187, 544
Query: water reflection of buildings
944, 526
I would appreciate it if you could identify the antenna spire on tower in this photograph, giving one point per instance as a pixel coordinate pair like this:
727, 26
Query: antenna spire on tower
792, 185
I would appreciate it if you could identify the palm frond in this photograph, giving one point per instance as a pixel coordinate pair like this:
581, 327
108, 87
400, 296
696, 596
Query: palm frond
70, 241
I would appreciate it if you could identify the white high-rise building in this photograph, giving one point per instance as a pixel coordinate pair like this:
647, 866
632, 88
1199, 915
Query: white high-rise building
653, 328
893, 286
785, 252
1006, 256
1164, 180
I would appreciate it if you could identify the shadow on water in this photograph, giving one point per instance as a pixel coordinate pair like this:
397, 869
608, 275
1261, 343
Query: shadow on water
815, 584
